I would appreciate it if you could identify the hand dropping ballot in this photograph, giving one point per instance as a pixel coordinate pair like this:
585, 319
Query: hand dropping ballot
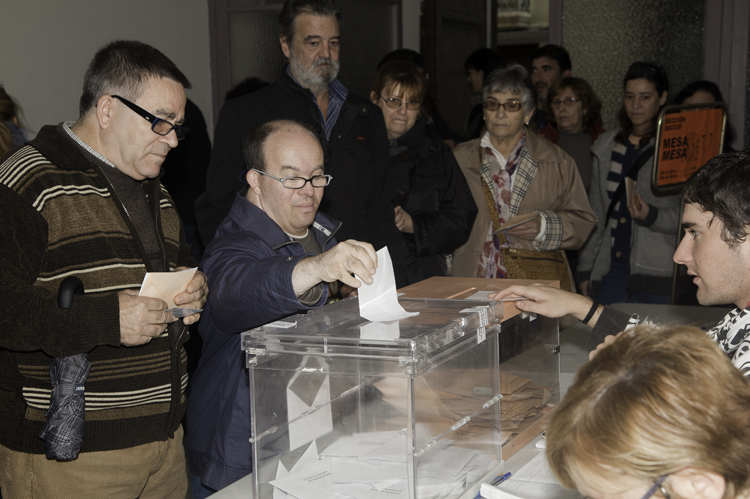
167, 285
378, 302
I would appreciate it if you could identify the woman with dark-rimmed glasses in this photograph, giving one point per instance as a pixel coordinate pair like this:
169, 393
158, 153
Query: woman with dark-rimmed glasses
513, 171
659, 413
434, 208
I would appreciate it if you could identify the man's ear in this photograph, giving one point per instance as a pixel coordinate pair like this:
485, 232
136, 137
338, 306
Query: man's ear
284, 41
104, 110
566, 73
697, 483
253, 180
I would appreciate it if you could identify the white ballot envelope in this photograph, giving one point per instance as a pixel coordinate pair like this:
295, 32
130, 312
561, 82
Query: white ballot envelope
378, 302
167, 285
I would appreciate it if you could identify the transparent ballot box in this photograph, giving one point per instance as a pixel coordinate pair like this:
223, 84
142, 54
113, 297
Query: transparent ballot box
341, 406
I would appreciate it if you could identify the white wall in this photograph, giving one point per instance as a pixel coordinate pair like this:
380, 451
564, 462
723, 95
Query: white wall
410, 12
47, 45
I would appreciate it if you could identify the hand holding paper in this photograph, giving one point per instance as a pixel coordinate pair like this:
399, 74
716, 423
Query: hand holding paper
378, 301
188, 286
338, 263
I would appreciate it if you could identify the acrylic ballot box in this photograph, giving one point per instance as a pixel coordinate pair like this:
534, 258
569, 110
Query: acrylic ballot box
409, 409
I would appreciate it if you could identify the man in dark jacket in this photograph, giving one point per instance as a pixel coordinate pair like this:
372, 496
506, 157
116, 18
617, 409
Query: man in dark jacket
350, 128
273, 256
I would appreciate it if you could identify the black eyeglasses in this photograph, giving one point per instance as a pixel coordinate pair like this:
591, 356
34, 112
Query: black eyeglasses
510, 106
657, 486
158, 125
299, 182
395, 103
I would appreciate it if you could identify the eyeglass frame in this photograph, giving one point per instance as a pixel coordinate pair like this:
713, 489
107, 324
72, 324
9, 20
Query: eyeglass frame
284, 179
154, 119
567, 102
504, 105
658, 486
389, 100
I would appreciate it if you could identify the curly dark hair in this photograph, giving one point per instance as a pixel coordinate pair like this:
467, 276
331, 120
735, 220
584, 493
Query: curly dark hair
722, 187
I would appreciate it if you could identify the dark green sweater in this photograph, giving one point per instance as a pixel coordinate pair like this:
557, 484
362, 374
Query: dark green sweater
61, 218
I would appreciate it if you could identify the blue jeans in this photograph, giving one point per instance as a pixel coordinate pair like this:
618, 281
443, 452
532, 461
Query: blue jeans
614, 288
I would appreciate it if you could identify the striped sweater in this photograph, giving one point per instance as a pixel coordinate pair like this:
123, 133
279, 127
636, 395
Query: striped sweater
62, 218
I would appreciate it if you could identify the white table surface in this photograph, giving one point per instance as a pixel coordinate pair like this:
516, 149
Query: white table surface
574, 350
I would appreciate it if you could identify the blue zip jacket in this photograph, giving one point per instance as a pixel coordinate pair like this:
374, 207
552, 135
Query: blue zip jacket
249, 266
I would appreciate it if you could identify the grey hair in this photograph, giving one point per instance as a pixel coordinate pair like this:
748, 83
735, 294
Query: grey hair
514, 79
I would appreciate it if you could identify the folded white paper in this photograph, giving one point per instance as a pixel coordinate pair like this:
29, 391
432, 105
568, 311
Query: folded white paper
378, 301
167, 285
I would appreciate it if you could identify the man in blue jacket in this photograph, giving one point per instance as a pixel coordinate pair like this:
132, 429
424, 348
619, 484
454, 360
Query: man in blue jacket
274, 255
350, 128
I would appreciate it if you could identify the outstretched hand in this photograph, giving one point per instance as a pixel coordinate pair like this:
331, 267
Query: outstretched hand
546, 300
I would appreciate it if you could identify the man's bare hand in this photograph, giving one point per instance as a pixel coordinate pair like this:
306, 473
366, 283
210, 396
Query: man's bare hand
141, 318
528, 231
608, 340
338, 263
404, 222
194, 296
547, 301
583, 287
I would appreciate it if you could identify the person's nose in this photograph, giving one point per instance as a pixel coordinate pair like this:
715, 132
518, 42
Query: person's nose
682, 254
325, 51
402, 109
308, 190
171, 139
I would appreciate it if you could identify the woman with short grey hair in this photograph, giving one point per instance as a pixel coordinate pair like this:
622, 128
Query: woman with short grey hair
513, 174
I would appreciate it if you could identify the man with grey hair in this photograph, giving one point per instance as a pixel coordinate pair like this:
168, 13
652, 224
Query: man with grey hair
273, 256
350, 128
83, 200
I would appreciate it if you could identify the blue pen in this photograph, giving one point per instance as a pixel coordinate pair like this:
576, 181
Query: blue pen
496, 481
500, 479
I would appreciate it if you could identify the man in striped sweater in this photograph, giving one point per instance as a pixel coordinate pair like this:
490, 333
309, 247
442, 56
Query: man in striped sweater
83, 199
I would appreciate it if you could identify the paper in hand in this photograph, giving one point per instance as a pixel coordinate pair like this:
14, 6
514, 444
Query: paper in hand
378, 302
167, 285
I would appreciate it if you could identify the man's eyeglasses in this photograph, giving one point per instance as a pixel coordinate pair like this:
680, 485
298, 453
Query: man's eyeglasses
657, 486
510, 106
395, 103
299, 182
567, 102
158, 125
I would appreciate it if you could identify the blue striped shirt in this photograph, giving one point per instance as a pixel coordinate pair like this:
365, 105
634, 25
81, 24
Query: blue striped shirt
337, 93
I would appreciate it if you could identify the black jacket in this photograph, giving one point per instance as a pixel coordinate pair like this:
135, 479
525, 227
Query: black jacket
361, 193
440, 204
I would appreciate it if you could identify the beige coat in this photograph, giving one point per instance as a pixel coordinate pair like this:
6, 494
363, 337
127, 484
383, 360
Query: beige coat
556, 191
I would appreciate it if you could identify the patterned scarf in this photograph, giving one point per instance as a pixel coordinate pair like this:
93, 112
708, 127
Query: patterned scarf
732, 335
496, 182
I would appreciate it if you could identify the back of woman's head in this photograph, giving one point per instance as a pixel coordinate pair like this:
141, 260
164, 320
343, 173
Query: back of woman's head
8, 108
592, 106
405, 75
655, 401
696, 86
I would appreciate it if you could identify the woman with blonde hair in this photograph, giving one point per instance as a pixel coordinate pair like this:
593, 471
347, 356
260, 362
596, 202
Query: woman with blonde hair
662, 413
